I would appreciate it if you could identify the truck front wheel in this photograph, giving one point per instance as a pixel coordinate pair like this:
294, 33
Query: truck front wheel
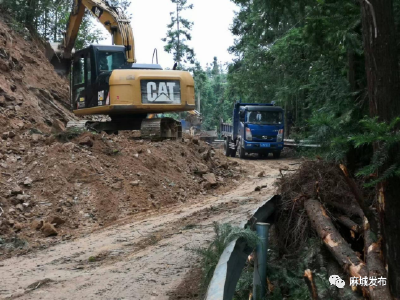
277, 154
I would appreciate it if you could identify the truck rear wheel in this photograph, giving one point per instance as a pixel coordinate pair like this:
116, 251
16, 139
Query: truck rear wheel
242, 152
228, 150
233, 152
277, 154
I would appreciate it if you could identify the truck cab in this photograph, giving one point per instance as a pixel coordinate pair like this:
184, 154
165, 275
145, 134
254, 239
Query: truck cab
257, 128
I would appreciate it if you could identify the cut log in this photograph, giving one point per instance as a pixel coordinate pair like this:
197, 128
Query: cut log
376, 268
309, 279
353, 187
350, 224
335, 243
358, 195
350, 209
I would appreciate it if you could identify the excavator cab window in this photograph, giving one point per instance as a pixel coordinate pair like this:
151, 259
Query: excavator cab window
110, 60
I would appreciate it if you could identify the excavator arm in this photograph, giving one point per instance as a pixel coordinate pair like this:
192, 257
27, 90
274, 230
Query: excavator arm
112, 18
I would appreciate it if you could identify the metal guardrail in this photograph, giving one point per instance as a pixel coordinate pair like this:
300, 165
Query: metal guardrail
301, 143
287, 142
233, 259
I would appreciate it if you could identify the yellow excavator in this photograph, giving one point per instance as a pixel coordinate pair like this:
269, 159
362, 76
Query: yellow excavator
106, 80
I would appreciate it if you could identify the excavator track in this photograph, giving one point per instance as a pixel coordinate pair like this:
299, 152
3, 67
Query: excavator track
151, 129
161, 129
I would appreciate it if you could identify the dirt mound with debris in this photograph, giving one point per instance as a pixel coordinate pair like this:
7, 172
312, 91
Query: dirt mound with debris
97, 179
313, 180
56, 184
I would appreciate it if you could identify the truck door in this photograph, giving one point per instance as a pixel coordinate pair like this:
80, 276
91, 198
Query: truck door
242, 120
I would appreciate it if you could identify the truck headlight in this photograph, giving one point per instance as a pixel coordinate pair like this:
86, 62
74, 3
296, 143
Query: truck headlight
249, 136
279, 137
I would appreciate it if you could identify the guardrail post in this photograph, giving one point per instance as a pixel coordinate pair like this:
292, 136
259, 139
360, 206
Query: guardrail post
260, 262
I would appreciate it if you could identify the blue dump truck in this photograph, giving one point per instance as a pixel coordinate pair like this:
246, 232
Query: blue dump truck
257, 128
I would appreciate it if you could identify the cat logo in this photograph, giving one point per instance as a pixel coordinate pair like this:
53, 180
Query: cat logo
161, 91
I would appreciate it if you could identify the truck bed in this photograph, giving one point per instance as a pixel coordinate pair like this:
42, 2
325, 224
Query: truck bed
226, 129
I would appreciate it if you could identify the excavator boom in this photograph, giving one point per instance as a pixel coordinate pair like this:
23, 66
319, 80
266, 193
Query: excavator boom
112, 18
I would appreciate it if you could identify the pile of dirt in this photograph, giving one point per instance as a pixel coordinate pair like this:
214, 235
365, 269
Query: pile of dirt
97, 179
56, 184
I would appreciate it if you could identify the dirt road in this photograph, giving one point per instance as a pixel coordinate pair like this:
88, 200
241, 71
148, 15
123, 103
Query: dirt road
138, 259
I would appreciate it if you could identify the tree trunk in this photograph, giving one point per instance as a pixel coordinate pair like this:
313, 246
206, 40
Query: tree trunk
381, 63
351, 73
199, 101
178, 53
30, 16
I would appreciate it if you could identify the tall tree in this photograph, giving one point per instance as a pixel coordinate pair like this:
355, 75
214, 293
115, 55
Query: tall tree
200, 80
381, 63
178, 35
215, 69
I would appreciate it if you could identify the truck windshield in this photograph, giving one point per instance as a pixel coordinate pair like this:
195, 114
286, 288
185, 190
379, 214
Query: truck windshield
265, 117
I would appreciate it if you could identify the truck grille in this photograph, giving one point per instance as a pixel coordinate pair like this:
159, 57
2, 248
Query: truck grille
264, 137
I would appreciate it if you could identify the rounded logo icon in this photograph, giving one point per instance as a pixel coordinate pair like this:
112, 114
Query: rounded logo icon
340, 283
336, 280
333, 278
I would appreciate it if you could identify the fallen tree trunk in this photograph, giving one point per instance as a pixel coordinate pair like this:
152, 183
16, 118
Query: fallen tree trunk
376, 268
353, 187
358, 196
350, 224
335, 243
350, 209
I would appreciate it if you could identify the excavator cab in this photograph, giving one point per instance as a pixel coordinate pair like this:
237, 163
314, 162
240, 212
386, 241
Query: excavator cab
90, 70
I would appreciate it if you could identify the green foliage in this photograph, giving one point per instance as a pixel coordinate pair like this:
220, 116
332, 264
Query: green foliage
286, 274
298, 54
386, 138
212, 94
224, 234
49, 18
178, 35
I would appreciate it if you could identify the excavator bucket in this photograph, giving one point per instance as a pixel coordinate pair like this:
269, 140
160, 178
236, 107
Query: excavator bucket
54, 54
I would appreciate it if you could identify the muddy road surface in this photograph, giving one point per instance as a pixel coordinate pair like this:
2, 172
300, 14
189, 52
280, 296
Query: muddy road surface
137, 259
